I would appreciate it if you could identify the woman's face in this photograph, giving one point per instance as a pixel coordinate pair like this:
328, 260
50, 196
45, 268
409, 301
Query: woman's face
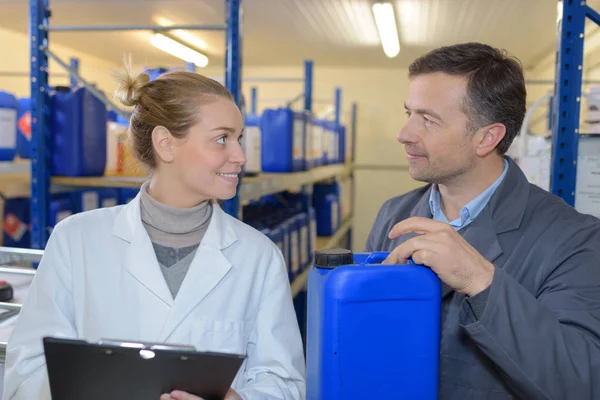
209, 159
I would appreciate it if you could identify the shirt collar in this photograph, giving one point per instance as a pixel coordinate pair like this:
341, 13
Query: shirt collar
470, 211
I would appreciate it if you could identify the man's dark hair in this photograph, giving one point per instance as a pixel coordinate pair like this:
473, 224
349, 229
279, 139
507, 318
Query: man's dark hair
495, 84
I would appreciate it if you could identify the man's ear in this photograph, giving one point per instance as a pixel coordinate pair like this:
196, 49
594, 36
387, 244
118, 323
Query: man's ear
488, 138
162, 141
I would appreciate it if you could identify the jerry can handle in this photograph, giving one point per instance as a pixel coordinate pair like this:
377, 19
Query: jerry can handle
377, 257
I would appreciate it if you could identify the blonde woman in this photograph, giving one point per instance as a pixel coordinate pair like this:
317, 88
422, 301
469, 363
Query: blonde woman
170, 266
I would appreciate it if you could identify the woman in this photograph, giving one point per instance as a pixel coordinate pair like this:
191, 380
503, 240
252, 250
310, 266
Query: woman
170, 266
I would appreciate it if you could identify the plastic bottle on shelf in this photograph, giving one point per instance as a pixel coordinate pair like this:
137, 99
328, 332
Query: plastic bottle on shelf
8, 126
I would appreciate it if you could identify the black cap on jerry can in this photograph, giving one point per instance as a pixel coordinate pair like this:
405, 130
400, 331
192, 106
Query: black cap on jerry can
333, 258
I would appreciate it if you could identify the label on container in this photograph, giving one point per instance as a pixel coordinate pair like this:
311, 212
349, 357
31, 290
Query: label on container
24, 125
251, 145
89, 201
62, 215
8, 128
110, 202
295, 256
334, 215
298, 139
14, 227
304, 245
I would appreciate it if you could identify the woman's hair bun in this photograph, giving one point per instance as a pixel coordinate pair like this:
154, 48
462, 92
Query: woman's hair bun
131, 85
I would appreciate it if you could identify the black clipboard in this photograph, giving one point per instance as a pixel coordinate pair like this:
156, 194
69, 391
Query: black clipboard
120, 370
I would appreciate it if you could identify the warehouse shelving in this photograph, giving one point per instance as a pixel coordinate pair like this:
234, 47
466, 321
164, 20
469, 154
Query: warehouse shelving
42, 184
567, 88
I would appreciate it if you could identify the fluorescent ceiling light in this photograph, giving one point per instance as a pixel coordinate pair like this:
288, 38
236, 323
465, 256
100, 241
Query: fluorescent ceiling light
178, 50
386, 25
186, 36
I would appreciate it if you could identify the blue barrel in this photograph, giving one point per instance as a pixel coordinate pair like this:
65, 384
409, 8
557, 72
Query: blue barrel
24, 128
282, 140
61, 207
342, 140
373, 331
78, 132
294, 233
327, 206
85, 200
307, 158
312, 223
109, 197
285, 234
127, 194
16, 223
304, 240
277, 237
8, 126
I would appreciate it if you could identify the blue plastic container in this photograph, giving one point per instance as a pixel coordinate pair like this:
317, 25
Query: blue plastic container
307, 138
108, 197
294, 233
304, 241
127, 194
85, 200
327, 206
8, 126
24, 128
282, 141
61, 207
78, 131
277, 237
285, 234
373, 331
312, 221
16, 229
342, 144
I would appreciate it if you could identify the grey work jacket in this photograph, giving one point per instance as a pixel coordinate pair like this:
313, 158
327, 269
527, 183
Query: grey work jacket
539, 334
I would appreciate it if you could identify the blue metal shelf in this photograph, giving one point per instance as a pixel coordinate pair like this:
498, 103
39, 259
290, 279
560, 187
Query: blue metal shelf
39, 14
566, 106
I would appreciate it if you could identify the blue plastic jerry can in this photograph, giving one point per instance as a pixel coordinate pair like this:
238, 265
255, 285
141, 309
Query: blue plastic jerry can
373, 330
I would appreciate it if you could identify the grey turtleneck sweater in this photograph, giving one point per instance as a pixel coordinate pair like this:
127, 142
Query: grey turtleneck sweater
175, 233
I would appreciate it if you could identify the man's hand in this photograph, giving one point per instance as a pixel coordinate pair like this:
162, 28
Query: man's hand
179, 395
442, 249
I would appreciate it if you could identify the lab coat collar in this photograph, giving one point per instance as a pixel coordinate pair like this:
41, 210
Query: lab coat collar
209, 266
220, 233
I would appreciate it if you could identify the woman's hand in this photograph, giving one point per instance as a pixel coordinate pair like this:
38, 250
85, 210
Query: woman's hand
179, 395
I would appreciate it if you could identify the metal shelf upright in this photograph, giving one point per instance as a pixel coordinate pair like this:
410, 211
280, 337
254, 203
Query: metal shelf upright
39, 27
567, 94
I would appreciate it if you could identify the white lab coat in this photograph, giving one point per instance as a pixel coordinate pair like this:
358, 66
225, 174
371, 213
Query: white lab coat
99, 278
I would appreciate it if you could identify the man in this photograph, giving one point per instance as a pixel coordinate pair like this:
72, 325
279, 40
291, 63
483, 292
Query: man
520, 269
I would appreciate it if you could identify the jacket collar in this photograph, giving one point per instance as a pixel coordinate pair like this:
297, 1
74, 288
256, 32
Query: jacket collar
503, 213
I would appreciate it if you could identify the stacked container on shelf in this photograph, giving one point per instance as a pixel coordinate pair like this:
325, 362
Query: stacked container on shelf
8, 126
326, 200
287, 226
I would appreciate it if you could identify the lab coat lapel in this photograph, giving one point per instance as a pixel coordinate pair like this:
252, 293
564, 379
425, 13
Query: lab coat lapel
140, 261
208, 268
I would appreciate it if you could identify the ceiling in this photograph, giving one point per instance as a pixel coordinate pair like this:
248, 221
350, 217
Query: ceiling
285, 32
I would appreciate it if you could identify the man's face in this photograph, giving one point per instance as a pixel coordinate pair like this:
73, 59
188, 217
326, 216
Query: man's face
435, 138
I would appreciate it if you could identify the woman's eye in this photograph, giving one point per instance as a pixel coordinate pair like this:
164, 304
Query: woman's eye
240, 138
221, 140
